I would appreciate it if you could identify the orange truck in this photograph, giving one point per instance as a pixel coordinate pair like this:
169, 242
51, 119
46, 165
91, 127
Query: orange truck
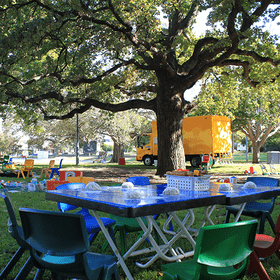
202, 135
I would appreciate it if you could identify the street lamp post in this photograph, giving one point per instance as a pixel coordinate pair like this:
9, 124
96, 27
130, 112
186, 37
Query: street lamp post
77, 139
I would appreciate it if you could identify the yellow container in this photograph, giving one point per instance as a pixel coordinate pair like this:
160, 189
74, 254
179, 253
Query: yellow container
84, 180
207, 135
87, 180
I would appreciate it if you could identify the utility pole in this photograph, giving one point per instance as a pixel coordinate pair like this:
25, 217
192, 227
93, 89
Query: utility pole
247, 156
77, 139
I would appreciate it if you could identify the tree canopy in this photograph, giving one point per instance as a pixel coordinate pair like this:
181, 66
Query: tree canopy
255, 111
62, 57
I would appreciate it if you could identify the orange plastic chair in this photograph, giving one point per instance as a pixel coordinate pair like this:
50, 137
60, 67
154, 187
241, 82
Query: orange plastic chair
48, 170
265, 246
28, 166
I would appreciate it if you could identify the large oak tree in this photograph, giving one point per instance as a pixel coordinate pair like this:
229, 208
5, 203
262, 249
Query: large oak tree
63, 57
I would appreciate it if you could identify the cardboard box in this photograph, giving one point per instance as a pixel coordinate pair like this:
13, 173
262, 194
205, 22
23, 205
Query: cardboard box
52, 184
65, 174
84, 180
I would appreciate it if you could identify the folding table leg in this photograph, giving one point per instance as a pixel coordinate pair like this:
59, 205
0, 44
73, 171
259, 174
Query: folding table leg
113, 246
239, 212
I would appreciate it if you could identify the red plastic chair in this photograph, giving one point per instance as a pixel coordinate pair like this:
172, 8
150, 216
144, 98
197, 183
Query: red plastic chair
265, 246
206, 161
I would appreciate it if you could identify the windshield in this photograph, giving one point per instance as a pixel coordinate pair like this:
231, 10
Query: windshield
144, 140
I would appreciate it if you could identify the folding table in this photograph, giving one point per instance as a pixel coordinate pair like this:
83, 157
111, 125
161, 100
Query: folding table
113, 200
151, 201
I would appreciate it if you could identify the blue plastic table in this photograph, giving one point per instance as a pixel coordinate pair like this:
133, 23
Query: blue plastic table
113, 200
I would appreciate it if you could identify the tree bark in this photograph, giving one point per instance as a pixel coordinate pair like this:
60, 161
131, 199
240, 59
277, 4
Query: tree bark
170, 114
118, 152
256, 152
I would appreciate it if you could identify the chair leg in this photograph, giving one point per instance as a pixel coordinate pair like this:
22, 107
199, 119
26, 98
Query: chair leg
52, 174
105, 245
39, 274
24, 272
123, 241
112, 234
12, 263
227, 217
258, 266
22, 173
272, 225
261, 224
277, 252
111, 272
92, 237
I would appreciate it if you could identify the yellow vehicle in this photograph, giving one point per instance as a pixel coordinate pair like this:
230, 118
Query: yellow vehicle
202, 135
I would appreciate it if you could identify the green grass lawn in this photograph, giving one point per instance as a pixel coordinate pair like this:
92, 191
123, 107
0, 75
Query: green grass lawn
36, 200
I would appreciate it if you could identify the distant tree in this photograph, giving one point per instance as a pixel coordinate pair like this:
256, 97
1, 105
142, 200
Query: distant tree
122, 127
61, 134
10, 138
255, 111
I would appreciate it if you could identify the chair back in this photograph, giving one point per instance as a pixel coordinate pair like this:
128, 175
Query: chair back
6, 159
51, 164
14, 229
28, 164
139, 180
56, 235
69, 186
225, 245
264, 181
267, 182
60, 163
206, 158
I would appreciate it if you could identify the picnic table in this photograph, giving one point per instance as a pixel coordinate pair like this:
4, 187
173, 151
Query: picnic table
113, 200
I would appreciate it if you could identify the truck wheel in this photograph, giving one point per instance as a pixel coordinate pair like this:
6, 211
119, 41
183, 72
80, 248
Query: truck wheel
148, 161
195, 162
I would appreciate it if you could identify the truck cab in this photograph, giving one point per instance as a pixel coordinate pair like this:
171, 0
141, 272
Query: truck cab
146, 148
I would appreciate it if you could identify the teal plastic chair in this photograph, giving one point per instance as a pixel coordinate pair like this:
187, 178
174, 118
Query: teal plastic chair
257, 209
222, 252
16, 232
59, 243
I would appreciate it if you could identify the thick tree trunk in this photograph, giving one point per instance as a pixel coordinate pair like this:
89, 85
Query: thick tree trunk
118, 152
256, 152
170, 114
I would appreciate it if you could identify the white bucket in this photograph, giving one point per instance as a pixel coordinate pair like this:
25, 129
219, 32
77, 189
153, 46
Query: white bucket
155, 162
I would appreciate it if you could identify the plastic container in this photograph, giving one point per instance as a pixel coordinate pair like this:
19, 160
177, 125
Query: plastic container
201, 183
31, 187
121, 161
